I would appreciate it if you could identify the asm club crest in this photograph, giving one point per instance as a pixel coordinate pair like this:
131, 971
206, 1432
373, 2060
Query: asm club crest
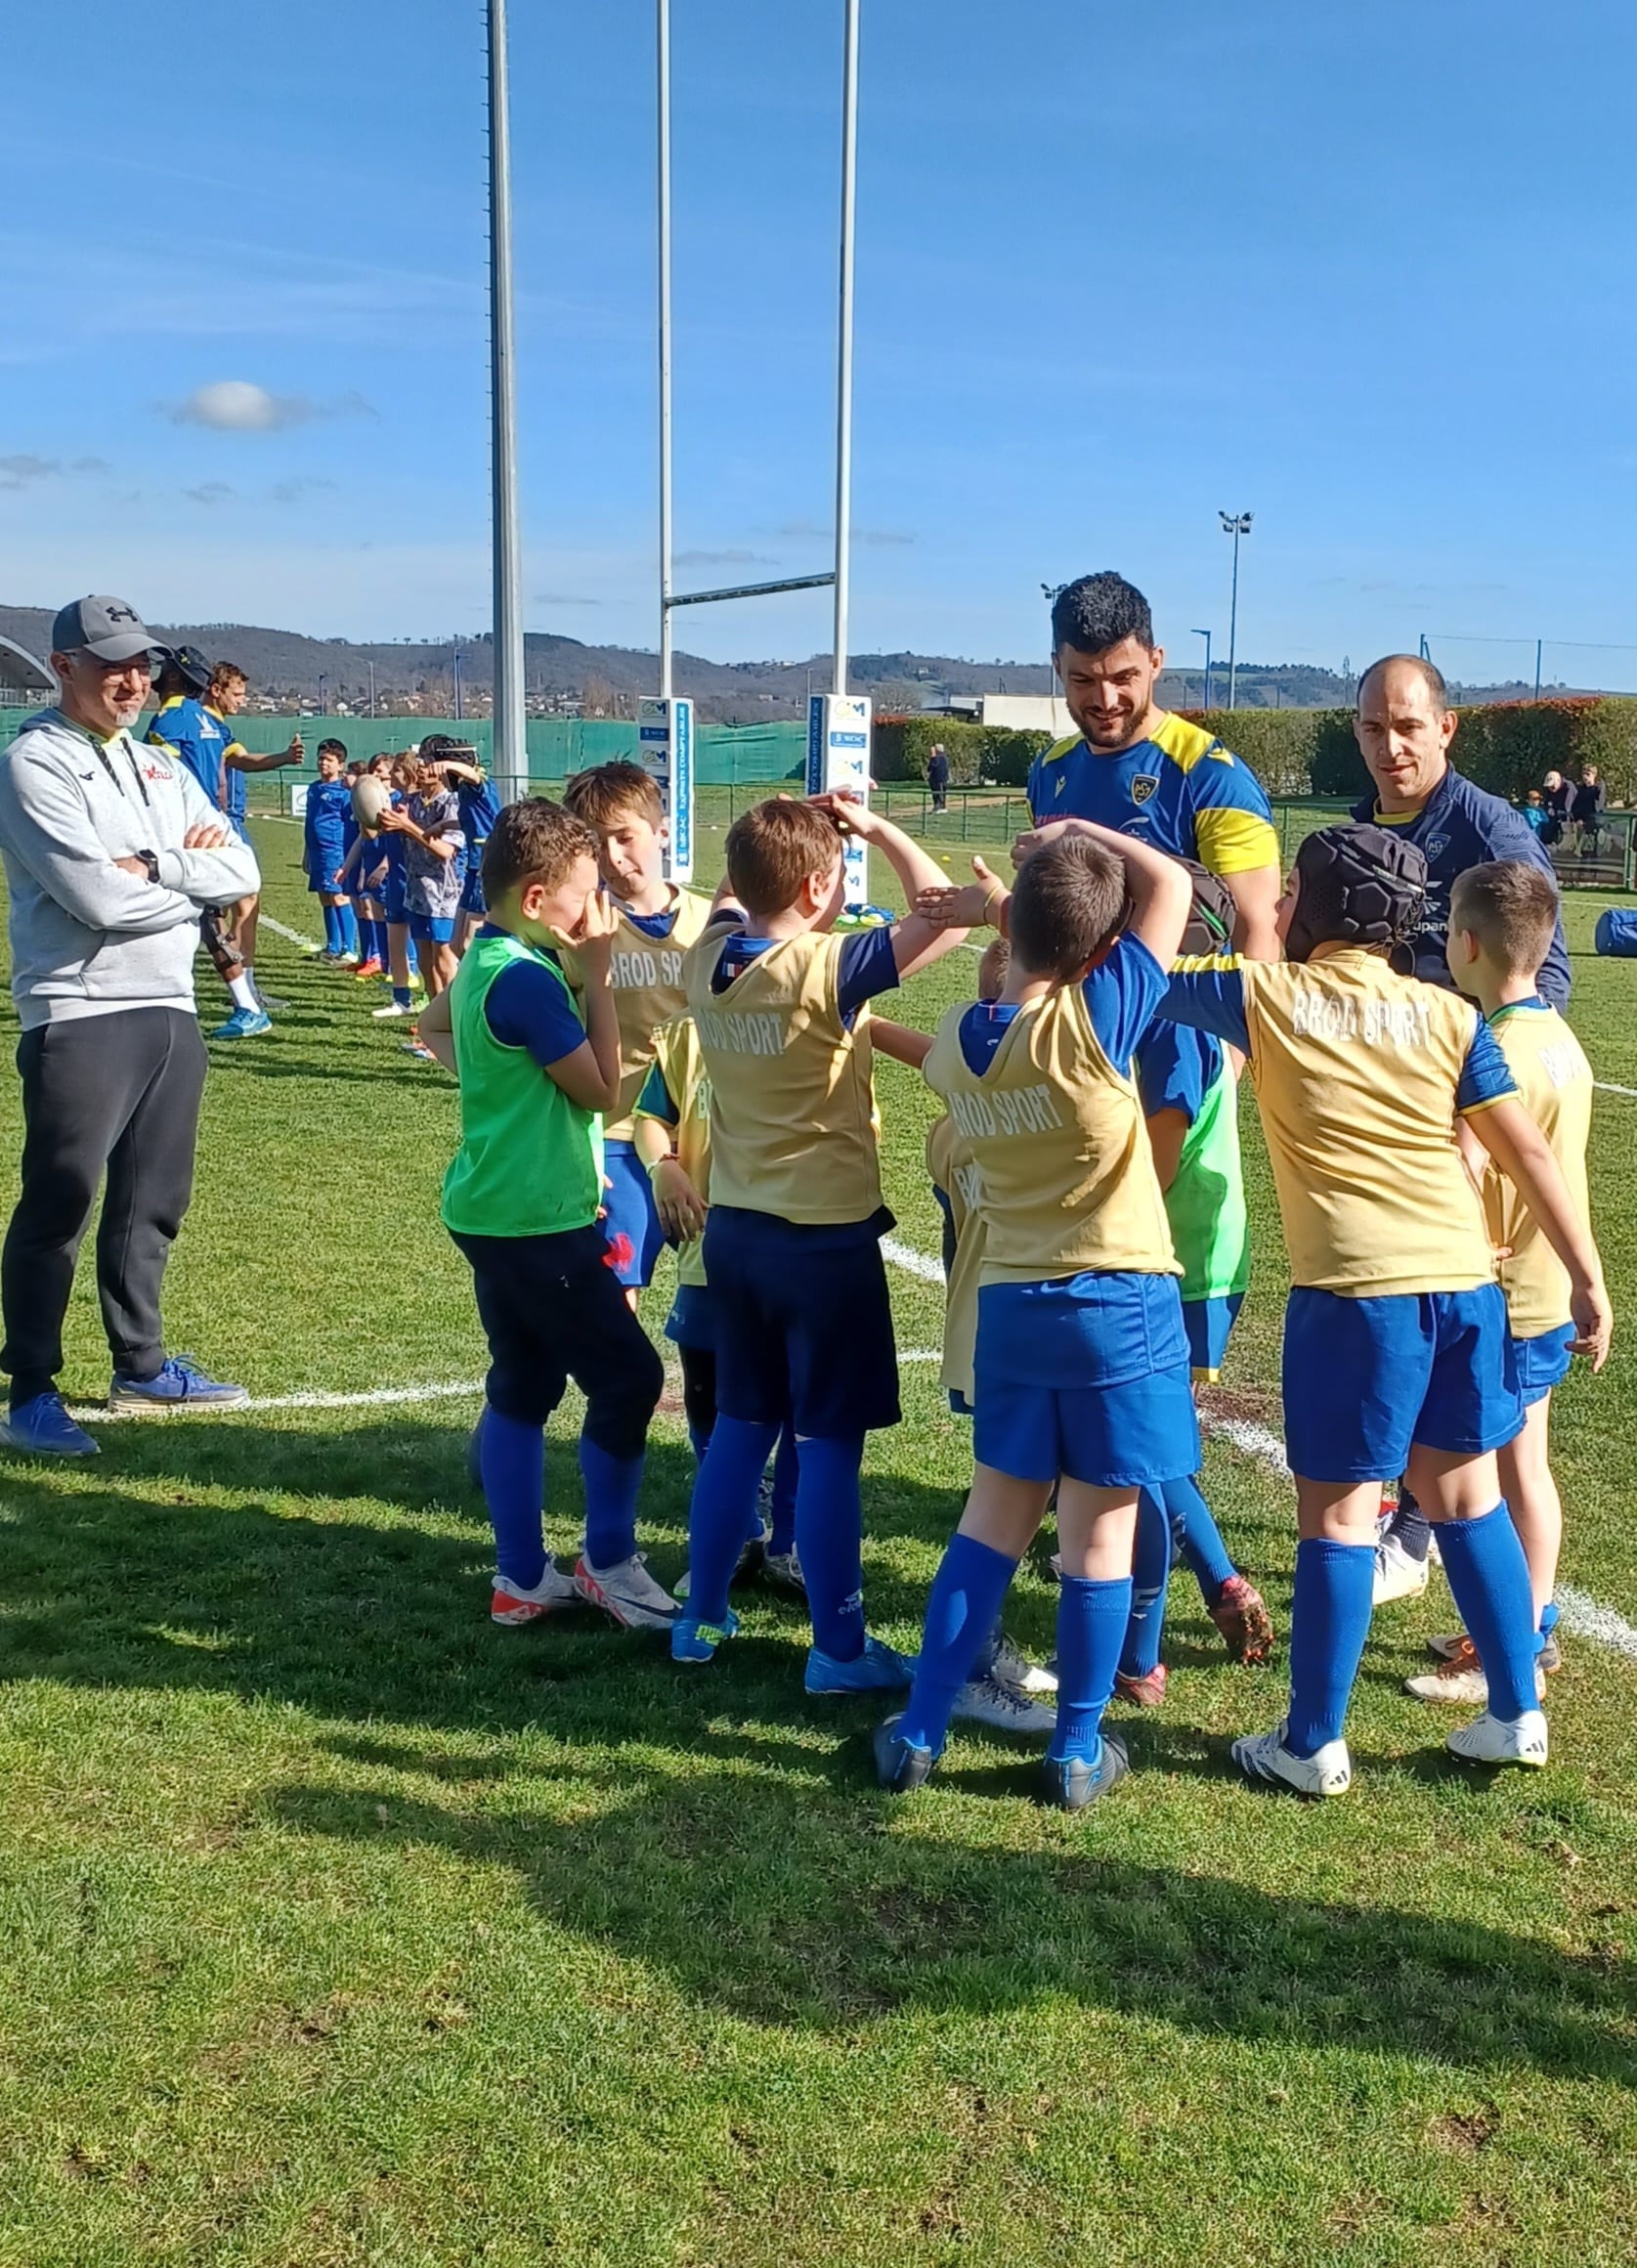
1143, 786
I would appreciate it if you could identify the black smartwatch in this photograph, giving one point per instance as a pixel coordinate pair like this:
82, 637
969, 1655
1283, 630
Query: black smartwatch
151, 860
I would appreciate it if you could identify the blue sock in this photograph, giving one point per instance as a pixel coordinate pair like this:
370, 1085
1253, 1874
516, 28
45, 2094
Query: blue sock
963, 1607
1488, 1580
723, 1511
1091, 1620
401, 996
1548, 1618
332, 931
1198, 1538
348, 919
381, 943
611, 1486
784, 1475
1151, 1572
699, 1441
1329, 1621
512, 1460
829, 1538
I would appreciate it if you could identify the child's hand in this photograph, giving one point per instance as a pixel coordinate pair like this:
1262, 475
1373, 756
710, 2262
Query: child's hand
679, 1206
963, 907
393, 822
1594, 1322
1039, 838
851, 816
592, 934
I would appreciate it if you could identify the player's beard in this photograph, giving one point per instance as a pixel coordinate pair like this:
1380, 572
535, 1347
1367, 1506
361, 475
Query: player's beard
1129, 729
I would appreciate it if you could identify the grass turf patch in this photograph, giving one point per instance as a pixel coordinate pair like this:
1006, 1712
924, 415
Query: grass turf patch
338, 1926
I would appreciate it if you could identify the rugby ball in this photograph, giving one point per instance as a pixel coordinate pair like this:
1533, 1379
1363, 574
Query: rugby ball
370, 798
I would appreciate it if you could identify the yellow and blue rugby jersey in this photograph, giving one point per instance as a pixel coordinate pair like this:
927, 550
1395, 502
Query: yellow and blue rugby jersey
1359, 1074
953, 1172
1554, 1081
645, 971
194, 733
1180, 790
677, 1094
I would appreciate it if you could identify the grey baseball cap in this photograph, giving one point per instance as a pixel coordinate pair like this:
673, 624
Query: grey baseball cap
105, 627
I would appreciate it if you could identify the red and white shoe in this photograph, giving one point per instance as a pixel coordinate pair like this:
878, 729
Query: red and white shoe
628, 1593
512, 1605
1246, 1626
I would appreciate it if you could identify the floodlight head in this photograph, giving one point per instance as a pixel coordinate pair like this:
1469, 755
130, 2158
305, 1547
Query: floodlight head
1235, 523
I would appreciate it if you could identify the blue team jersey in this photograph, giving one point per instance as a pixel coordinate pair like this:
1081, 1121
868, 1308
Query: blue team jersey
330, 804
195, 736
1181, 790
480, 808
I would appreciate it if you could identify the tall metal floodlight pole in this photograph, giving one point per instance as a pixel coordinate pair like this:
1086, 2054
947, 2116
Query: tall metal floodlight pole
843, 370
1234, 524
510, 745
664, 349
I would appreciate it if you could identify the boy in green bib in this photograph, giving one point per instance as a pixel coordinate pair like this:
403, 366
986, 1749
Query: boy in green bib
523, 1199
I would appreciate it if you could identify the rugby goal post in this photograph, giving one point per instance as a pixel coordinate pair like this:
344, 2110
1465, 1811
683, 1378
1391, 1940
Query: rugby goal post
838, 722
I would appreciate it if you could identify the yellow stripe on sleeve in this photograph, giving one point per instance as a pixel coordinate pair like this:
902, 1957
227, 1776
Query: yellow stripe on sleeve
1234, 842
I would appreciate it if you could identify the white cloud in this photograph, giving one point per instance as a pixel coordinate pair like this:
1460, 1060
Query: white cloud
236, 406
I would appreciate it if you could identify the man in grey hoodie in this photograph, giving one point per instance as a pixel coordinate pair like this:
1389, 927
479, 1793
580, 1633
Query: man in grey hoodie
111, 853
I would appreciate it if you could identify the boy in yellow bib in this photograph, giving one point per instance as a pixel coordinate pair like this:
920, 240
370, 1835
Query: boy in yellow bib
1396, 1354
792, 1244
656, 924
1502, 923
1081, 1369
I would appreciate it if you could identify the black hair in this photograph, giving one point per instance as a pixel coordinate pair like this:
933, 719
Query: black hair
334, 748
1097, 611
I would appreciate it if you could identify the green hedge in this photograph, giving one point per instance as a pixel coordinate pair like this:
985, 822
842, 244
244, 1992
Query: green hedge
978, 754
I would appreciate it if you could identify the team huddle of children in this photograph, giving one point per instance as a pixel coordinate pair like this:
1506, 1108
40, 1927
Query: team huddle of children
406, 880
1097, 1246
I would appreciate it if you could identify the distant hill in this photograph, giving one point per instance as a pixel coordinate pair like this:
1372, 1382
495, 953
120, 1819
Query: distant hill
566, 677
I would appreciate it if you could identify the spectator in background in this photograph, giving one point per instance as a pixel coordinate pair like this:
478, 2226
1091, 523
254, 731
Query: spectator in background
938, 777
1535, 814
1585, 809
1554, 794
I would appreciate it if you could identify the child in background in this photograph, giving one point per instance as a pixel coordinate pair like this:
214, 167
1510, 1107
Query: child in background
348, 875
429, 821
1501, 923
480, 808
1190, 1089
1082, 1362
1397, 1353
657, 924
792, 1244
672, 1134
1536, 816
522, 1200
395, 904
330, 804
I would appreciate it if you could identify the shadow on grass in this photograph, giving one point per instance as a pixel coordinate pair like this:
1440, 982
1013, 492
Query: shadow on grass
787, 1901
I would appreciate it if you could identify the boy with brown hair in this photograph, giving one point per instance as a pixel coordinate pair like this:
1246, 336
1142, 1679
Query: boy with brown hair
523, 1200
1503, 919
792, 1244
655, 923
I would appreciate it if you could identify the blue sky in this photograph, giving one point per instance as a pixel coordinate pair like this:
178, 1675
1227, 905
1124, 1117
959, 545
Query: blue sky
1365, 273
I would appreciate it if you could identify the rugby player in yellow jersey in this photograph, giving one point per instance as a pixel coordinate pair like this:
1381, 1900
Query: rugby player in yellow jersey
1136, 768
1397, 1353
1502, 922
1081, 1362
658, 921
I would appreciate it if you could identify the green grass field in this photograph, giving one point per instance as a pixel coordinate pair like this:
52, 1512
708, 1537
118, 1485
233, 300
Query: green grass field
338, 1926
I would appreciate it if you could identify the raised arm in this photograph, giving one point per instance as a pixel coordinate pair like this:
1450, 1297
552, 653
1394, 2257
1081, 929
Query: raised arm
916, 941
901, 1041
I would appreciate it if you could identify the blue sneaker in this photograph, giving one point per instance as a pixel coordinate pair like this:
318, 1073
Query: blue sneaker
42, 1427
901, 1765
879, 1669
693, 1640
180, 1385
1072, 1782
245, 1023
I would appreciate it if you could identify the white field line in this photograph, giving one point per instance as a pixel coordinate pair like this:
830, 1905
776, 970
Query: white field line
293, 937
1608, 1087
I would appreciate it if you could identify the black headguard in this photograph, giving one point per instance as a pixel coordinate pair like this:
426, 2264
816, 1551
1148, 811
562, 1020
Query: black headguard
1359, 886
